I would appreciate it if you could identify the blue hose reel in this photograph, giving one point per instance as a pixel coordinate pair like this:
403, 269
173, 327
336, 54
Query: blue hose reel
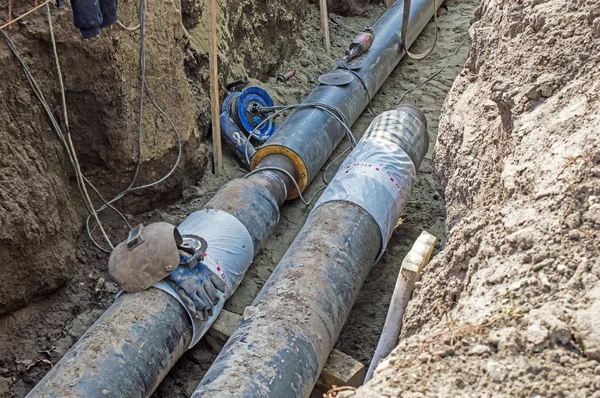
242, 113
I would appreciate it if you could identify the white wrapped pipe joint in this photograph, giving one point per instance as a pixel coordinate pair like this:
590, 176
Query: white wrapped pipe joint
228, 254
379, 173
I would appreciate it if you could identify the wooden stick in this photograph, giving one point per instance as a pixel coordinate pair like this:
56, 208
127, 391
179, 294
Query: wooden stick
214, 86
325, 26
389, 3
412, 265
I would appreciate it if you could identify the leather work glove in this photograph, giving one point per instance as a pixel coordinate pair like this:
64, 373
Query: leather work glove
198, 287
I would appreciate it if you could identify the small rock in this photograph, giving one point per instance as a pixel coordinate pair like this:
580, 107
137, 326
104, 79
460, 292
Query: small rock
560, 334
424, 357
446, 352
593, 213
111, 287
99, 285
508, 341
547, 90
459, 383
567, 360
532, 93
537, 334
496, 371
573, 220
541, 256
479, 349
597, 370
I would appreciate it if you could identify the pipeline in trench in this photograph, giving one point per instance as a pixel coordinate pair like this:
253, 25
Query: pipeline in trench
290, 329
113, 345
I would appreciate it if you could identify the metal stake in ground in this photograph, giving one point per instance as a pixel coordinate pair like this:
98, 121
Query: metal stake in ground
214, 86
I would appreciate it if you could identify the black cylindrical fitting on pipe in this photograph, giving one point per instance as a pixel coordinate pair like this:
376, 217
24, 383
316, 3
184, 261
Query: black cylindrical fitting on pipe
287, 334
126, 353
325, 132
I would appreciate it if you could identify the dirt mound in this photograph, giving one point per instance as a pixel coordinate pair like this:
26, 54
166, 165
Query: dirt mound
510, 306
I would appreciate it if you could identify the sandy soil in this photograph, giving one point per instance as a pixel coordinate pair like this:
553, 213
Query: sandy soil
511, 306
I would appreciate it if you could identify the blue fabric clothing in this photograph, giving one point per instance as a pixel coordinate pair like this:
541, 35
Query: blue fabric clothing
89, 16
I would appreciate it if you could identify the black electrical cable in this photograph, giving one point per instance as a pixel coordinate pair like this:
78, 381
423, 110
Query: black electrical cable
232, 106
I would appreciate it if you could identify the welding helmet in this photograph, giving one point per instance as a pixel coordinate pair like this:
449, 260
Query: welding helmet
149, 254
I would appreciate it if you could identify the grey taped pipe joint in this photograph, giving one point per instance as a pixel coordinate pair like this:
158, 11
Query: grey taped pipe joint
378, 174
280, 347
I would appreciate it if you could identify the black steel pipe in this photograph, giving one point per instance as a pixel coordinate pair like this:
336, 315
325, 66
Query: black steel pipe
298, 314
280, 347
126, 353
309, 155
255, 202
133, 345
